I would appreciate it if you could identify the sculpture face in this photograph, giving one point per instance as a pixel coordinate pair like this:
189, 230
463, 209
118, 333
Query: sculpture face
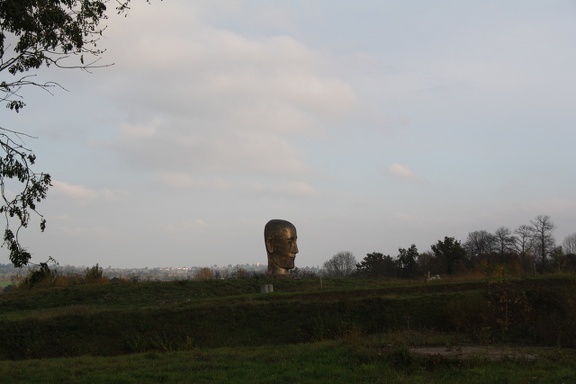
281, 246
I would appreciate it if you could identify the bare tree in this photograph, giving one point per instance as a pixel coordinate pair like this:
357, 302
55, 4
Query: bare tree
569, 244
504, 241
544, 242
524, 246
341, 264
479, 244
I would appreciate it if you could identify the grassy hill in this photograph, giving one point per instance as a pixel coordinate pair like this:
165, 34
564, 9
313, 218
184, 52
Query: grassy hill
306, 331
116, 319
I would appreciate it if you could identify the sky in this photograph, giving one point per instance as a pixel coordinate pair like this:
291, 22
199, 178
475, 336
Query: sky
370, 125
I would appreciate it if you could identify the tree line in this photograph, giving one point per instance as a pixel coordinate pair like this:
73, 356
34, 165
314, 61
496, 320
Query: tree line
527, 250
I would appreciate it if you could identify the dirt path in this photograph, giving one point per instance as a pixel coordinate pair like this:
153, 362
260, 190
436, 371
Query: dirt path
488, 352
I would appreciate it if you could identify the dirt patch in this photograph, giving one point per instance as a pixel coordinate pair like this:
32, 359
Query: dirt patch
486, 352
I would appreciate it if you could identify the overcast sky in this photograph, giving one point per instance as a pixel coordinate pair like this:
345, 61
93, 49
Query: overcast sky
370, 125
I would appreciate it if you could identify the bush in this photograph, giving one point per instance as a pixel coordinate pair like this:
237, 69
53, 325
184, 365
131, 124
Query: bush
93, 275
204, 274
40, 276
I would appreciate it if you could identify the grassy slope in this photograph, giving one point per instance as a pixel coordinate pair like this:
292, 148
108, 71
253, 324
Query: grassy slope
172, 316
350, 360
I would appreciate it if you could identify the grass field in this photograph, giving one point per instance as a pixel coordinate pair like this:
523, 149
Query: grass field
351, 330
348, 360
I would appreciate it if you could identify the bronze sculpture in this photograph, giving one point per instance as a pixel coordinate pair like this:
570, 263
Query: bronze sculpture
280, 238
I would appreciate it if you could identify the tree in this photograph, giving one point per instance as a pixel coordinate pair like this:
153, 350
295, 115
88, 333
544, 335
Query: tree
450, 253
93, 274
375, 264
479, 244
407, 261
341, 264
504, 241
569, 244
569, 248
544, 242
204, 274
524, 245
36, 34
429, 264
558, 260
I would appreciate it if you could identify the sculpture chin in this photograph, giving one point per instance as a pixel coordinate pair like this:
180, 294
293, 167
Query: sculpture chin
287, 262
282, 265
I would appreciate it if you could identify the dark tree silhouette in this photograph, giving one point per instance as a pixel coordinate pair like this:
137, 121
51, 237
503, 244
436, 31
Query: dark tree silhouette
450, 253
377, 265
544, 242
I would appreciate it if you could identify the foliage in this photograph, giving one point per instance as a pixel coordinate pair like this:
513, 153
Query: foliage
341, 264
48, 275
407, 262
204, 274
526, 249
36, 34
180, 315
451, 254
303, 272
509, 306
93, 274
375, 264
41, 275
239, 273
15, 166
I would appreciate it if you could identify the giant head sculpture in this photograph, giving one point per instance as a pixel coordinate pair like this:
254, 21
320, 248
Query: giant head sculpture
280, 238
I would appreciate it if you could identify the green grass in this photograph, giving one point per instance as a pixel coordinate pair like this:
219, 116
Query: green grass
113, 320
349, 360
354, 330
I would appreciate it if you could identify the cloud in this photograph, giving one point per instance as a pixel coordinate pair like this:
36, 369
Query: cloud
171, 147
94, 232
82, 194
139, 130
406, 217
234, 112
298, 188
204, 98
212, 70
75, 192
183, 230
185, 181
403, 172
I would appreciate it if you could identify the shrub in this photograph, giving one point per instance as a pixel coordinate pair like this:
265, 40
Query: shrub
39, 276
93, 274
204, 274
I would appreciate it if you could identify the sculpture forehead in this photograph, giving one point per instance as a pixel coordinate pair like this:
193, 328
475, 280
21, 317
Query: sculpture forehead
287, 231
277, 226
